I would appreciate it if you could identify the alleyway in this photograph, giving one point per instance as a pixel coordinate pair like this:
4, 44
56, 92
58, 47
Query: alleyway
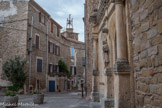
56, 100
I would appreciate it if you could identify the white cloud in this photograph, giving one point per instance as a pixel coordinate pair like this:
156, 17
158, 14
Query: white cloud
59, 13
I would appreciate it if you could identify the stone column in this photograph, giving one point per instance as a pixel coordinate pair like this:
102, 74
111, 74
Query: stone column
95, 93
120, 30
121, 68
107, 101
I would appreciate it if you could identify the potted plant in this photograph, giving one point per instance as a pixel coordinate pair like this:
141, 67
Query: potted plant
38, 97
11, 100
14, 71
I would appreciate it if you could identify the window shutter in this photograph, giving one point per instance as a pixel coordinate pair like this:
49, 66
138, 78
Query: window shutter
39, 16
58, 69
49, 67
59, 51
44, 20
71, 70
39, 65
83, 61
55, 68
48, 46
74, 70
37, 42
58, 32
51, 27
53, 48
52, 68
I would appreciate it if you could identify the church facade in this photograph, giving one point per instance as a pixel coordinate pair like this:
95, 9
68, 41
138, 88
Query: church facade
124, 70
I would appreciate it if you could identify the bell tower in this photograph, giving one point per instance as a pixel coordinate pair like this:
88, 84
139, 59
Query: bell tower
69, 24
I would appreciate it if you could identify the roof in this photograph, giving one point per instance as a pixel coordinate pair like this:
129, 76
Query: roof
72, 40
39, 7
56, 23
70, 32
44, 12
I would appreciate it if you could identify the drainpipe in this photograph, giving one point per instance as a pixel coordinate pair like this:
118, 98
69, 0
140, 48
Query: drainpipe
85, 79
47, 59
30, 52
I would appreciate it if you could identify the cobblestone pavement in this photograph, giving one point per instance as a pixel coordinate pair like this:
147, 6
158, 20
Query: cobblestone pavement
55, 100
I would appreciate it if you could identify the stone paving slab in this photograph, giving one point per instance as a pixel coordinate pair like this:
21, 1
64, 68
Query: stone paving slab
55, 100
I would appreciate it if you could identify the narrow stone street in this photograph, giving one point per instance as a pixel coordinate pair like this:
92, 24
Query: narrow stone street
55, 100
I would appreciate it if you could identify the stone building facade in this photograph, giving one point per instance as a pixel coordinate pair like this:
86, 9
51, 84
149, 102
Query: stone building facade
125, 37
70, 34
27, 30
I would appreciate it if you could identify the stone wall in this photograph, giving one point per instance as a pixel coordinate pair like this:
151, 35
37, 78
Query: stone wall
146, 29
90, 5
70, 34
136, 82
13, 27
64, 44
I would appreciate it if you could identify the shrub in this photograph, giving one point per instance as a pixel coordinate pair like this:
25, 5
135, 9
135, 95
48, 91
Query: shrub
14, 69
63, 68
10, 94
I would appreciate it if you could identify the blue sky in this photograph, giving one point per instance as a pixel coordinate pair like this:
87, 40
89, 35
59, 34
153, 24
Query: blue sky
60, 10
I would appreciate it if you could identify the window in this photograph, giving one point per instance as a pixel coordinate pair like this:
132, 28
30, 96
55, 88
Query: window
51, 47
41, 18
37, 41
73, 70
72, 51
39, 65
50, 68
57, 50
57, 68
38, 84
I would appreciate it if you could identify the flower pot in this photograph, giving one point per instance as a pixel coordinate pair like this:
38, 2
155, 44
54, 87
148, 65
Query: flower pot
38, 98
11, 101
